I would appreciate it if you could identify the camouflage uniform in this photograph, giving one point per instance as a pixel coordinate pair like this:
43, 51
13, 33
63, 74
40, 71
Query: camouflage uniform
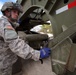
11, 46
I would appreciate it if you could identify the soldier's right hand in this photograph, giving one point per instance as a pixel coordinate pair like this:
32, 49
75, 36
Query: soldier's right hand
45, 52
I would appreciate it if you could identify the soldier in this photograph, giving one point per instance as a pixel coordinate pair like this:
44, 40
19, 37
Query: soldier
10, 43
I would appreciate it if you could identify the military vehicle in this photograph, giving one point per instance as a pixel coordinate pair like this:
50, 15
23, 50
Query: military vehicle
61, 14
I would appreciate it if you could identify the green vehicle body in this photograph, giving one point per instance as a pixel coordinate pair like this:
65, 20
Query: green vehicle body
61, 14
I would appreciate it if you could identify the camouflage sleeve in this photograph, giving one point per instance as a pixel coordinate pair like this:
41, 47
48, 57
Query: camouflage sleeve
17, 45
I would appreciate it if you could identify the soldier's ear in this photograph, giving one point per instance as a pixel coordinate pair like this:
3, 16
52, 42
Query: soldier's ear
6, 13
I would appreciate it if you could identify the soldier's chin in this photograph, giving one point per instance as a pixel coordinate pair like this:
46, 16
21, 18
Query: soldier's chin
14, 20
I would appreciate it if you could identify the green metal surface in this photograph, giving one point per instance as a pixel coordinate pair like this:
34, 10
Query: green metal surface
72, 59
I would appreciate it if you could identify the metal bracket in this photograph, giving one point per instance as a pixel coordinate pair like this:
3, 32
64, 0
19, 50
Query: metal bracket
63, 36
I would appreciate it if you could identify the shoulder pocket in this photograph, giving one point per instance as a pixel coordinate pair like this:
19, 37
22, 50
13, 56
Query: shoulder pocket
10, 33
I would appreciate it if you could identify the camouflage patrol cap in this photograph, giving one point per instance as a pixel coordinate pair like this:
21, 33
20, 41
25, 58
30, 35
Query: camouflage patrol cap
11, 5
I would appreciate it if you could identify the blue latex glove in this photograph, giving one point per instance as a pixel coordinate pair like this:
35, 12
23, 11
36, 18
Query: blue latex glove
45, 52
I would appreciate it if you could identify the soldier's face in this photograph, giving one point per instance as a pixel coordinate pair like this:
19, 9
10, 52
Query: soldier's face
14, 14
